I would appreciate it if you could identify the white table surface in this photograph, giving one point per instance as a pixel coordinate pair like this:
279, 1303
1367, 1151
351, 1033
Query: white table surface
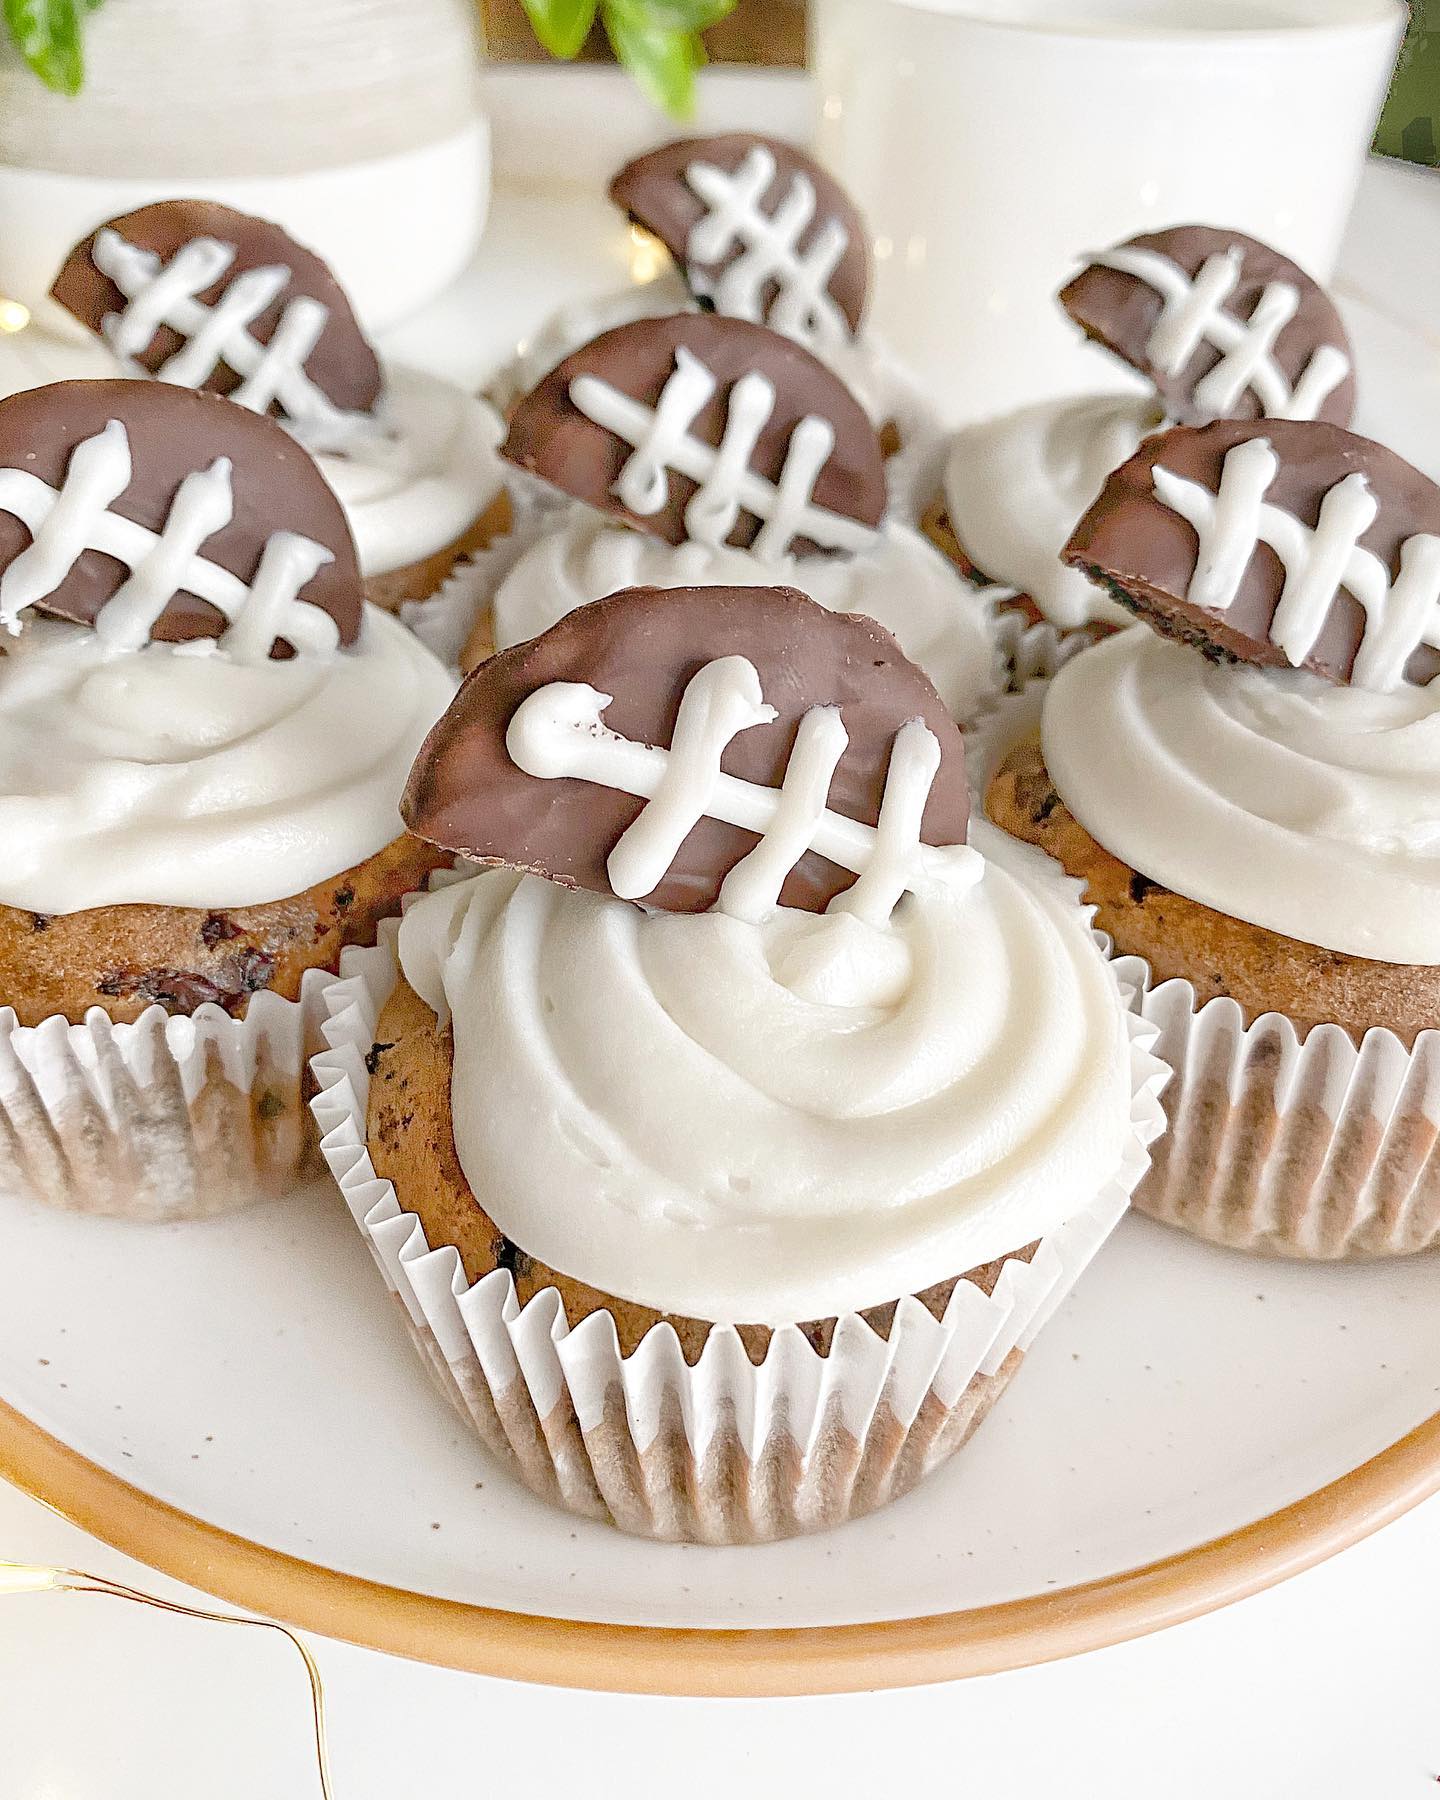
1327, 1688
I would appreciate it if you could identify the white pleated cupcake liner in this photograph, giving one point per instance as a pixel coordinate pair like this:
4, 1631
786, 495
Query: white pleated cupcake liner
171, 1117
1291, 1142
917, 472
1014, 717
1279, 1140
1033, 651
1031, 655
444, 622
724, 1451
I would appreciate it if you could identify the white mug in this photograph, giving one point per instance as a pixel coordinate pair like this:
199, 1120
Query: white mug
992, 143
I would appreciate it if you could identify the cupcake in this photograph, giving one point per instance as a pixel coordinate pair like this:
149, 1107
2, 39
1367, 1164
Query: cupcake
730, 1132
200, 295
1248, 784
204, 733
1217, 325
705, 451
752, 228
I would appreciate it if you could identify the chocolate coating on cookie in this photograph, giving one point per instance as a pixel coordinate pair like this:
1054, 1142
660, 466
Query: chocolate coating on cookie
705, 198
170, 433
771, 403
1189, 308
1137, 542
642, 647
340, 363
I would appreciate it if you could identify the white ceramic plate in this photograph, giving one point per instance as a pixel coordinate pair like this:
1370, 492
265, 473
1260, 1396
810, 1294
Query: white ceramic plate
237, 1401
252, 1373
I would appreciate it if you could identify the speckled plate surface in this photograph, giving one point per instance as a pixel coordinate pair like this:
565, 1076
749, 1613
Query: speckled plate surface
236, 1401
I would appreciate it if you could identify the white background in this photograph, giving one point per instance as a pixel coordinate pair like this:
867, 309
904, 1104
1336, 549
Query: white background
1327, 1688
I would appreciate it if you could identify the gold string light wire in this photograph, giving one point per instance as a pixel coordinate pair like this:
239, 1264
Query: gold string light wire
41, 1578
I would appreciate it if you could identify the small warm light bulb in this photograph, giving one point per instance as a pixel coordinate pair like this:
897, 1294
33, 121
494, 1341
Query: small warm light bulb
13, 316
648, 256
27, 1578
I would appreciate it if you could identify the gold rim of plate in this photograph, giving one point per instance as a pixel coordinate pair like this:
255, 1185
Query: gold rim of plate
645, 1659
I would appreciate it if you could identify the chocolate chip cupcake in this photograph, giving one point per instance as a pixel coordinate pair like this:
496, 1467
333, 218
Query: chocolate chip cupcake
1217, 325
204, 731
746, 1120
1251, 793
197, 294
749, 227
709, 451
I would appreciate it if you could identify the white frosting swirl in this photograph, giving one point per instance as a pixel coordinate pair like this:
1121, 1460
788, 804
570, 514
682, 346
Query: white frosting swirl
174, 776
767, 1123
1269, 795
35, 357
410, 495
867, 369
904, 583
1016, 487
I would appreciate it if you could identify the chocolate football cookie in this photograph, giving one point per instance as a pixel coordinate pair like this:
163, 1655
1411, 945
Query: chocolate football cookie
537, 763
1282, 543
153, 513
195, 295
759, 230
711, 430
1222, 325
203, 296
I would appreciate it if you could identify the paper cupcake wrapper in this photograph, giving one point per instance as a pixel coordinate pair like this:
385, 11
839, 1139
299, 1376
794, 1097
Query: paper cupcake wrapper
166, 1118
725, 1451
916, 473
1032, 654
1278, 1141
443, 623
1294, 1145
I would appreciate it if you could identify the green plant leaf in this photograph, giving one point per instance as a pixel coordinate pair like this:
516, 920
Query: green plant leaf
47, 35
686, 15
561, 25
663, 58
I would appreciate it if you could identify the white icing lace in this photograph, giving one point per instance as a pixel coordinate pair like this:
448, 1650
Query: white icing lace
663, 444
1233, 522
769, 249
273, 374
558, 731
1194, 313
66, 522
